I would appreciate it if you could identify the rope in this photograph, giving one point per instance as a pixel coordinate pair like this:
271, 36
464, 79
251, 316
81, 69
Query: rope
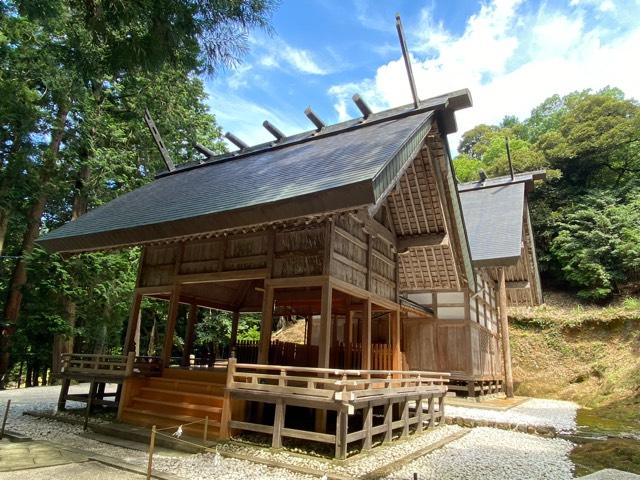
208, 449
180, 425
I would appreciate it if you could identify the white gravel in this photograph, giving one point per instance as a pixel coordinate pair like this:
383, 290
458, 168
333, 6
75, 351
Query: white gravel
484, 452
536, 412
489, 453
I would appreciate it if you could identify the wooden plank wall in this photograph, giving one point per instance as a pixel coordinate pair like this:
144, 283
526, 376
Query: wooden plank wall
357, 257
361, 259
462, 340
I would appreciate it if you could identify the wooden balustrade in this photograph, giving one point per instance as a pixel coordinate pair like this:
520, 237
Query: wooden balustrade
342, 391
289, 353
78, 365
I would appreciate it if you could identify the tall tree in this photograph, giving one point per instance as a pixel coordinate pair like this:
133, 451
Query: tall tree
88, 47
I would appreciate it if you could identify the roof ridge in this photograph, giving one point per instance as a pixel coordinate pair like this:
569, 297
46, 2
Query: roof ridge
453, 100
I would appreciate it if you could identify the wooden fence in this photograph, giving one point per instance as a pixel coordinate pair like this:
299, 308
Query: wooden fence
341, 355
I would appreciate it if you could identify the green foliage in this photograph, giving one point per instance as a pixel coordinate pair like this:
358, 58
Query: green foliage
597, 244
90, 69
585, 216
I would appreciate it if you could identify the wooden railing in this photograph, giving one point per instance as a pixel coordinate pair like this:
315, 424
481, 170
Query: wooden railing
328, 383
342, 391
347, 356
116, 366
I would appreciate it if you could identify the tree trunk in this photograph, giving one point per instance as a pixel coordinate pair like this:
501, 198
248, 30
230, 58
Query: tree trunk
28, 382
4, 224
64, 343
19, 278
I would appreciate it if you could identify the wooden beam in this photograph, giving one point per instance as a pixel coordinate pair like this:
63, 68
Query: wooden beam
266, 325
424, 240
523, 284
504, 327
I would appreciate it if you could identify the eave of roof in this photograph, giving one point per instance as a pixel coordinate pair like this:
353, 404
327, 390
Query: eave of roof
525, 177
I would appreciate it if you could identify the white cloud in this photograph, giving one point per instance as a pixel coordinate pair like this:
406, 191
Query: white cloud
277, 53
511, 61
301, 60
244, 118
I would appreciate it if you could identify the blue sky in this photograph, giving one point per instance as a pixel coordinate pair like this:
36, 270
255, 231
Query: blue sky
511, 54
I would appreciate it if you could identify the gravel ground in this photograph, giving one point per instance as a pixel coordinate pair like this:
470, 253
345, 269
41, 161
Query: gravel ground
484, 452
545, 413
488, 453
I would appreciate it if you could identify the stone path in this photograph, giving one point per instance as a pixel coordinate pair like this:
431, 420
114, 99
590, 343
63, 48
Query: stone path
20, 456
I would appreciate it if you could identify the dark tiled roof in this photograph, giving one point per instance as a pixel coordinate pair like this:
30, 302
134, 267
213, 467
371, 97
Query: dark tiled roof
494, 219
194, 199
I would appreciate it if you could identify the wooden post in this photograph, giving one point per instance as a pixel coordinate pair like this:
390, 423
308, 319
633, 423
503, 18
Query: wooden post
174, 305
324, 345
309, 336
235, 320
4, 419
504, 327
188, 337
131, 360
396, 355
419, 410
325, 327
152, 444
92, 392
388, 421
368, 425
205, 430
132, 326
348, 328
405, 419
225, 416
266, 325
64, 391
278, 424
432, 420
366, 335
342, 429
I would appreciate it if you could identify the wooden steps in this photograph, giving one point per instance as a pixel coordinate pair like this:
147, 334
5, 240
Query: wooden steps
169, 402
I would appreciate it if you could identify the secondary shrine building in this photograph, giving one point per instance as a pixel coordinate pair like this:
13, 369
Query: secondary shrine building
401, 274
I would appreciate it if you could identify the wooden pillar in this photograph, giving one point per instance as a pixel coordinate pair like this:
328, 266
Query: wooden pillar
235, 319
365, 331
133, 325
324, 348
504, 327
188, 340
174, 304
394, 318
136, 336
266, 325
309, 337
348, 341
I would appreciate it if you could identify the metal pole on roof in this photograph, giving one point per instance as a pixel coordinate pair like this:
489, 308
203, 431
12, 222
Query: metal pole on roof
407, 61
506, 141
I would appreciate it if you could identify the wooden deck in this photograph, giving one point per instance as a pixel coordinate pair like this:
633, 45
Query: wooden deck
344, 392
